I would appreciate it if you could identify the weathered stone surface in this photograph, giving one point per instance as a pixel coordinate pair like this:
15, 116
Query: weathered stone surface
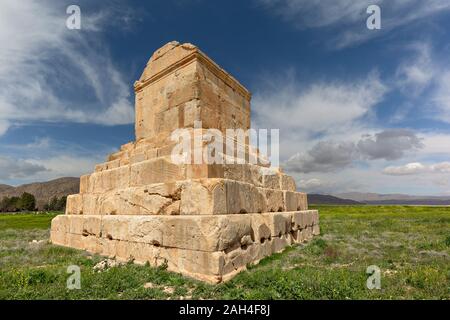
207, 221
221, 246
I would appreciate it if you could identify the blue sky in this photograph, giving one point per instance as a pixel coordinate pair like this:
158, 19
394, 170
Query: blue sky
357, 109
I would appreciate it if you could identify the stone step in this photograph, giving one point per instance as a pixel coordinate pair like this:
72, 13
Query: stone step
209, 248
188, 197
204, 233
112, 176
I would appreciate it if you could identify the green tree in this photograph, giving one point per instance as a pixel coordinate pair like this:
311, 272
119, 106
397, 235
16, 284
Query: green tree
4, 204
61, 204
10, 204
27, 202
53, 204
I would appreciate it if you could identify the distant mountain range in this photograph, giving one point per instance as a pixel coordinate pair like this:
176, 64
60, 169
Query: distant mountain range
375, 198
328, 199
43, 191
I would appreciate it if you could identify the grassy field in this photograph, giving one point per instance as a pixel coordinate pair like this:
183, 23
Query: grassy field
411, 246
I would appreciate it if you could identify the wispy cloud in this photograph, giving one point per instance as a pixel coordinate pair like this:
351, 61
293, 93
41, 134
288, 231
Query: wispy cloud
347, 18
51, 73
319, 107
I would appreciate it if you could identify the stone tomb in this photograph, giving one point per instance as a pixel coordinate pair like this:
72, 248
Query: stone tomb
206, 221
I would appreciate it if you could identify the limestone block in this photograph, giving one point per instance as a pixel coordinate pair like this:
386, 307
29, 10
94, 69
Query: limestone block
308, 233
138, 157
100, 167
155, 171
309, 218
116, 156
295, 201
233, 172
84, 183
288, 183
59, 230
244, 198
124, 161
166, 56
151, 153
74, 241
58, 237
316, 230
74, 204
152, 199
299, 220
206, 233
290, 201
75, 223
279, 243
238, 259
204, 197
315, 217
200, 171
275, 200
260, 228
204, 265
165, 151
109, 179
166, 121
90, 204
296, 236
302, 201
92, 244
252, 175
279, 223
127, 147
108, 247
191, 113
116, 178
112, 164
272, 181
173, 208
302, 236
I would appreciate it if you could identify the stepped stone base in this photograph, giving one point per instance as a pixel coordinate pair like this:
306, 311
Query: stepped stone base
211, 248
204, 219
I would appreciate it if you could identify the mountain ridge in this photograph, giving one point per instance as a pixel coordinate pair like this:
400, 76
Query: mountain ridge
43, 191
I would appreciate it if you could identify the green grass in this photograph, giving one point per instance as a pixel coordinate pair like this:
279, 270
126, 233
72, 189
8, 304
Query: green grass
411, 246
23, 221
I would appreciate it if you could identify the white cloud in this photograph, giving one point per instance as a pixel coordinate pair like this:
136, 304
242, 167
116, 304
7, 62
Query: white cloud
44, 66
415, 74
408, 169
443, 167
65, 165
319, 107
441, 97
311, 184
426, 70
389, 144
17, 168
417, 168
328, 155
347, 18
